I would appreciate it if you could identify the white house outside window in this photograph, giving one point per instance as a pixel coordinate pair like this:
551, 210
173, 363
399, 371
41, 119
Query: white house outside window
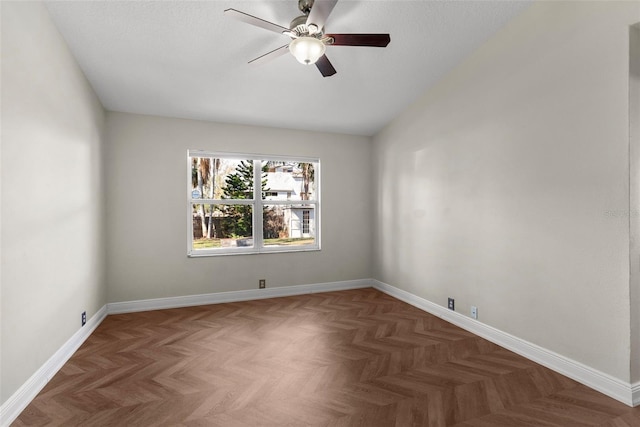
226, 190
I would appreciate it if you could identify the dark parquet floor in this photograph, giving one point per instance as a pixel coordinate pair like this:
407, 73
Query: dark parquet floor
349, 358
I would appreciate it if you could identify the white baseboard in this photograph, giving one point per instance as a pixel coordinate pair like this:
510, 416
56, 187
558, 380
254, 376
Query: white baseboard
604, 383
233, 296
10, 409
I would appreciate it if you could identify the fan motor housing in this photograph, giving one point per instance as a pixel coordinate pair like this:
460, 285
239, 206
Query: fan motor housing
299, 27
299, 23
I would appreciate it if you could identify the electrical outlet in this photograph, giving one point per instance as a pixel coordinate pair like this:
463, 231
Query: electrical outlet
84, 318
262, 283
452, 304
474, 312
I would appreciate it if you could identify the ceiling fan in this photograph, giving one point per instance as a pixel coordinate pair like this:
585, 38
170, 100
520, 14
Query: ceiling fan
308, 39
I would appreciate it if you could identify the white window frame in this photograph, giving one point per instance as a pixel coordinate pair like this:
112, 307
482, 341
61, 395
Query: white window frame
256, 202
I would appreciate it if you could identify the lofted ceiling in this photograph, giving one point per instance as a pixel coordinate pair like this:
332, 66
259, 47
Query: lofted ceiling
187, 59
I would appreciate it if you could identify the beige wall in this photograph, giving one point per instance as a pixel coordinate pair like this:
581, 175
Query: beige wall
507, 185
52, 194
146, 209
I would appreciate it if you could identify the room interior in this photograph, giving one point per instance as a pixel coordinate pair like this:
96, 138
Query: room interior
502, 172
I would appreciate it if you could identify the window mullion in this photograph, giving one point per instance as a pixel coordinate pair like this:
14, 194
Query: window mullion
257, 205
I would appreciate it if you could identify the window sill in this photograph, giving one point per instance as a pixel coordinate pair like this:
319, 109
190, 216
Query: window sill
250, 252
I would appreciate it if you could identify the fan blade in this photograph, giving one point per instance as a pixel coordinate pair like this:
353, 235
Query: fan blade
250, 19
375, 40
320, 11
325, 67
270, 55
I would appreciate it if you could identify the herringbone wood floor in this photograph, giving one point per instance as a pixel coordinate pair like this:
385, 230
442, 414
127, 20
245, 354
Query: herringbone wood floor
352, 358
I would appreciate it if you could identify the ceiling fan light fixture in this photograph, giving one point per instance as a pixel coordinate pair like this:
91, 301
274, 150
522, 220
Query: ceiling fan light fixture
307, 50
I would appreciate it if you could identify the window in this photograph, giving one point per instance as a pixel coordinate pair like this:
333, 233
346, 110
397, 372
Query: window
305, 221
226, 193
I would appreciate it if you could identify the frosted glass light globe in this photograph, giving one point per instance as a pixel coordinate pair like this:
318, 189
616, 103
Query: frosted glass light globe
307, 50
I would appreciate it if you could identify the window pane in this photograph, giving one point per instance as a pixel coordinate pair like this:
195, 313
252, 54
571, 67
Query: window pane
305, 221
222, 226
289, 181
214, 178
284, 225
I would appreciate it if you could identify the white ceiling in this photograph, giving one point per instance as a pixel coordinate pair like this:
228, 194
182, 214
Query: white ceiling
186, 59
